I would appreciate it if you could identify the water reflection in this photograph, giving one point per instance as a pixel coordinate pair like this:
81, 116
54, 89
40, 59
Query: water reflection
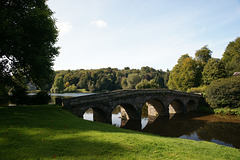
88, 115
220, 129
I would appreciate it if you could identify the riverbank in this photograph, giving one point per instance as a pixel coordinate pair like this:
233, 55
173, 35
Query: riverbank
47, 132
204, 108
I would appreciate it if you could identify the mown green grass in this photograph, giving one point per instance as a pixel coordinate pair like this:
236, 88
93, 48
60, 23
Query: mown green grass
49, 132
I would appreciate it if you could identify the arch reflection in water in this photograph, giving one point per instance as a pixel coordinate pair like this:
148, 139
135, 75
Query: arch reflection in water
94, 114
116, 116
88, 115
125, 116
176, 106
220, 129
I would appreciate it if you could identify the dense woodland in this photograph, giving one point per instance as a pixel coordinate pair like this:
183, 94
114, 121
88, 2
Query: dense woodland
108, 79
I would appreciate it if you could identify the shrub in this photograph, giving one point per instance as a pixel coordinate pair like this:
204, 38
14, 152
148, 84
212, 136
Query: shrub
19, 96
200, 89
71, 88
42, 97
4, 98
224, 93
227, 111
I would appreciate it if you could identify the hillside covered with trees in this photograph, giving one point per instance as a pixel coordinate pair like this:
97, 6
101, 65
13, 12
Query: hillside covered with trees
108, 79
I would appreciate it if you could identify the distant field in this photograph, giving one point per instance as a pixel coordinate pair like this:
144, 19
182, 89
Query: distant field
49, 132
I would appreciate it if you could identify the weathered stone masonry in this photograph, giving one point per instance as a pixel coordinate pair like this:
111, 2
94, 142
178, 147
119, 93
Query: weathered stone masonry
160, 102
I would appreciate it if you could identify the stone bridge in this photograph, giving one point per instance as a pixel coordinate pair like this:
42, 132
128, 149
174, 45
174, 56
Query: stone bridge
159, 102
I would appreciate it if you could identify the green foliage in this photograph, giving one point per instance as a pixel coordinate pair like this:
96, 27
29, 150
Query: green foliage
83, 81
71, 88
224, 93
132, 80
203, 55
183, 76
227, 111
200, 89
19, 95
58, 85
4, 98
124, 83
144, 84
231, 57
41, 97
213, 70
108, 79
28, 34
203, 107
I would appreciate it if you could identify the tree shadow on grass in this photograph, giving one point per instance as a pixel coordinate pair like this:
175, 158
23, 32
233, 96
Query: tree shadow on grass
20, 145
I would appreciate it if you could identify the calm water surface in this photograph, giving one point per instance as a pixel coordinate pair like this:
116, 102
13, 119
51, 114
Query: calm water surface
220, 129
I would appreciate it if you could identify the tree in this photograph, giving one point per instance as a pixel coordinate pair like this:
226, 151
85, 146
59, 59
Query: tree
213, 70
166, 78
28, 34
144, 84
174, 82
183, 74
231, 57
83, 81
71, 88
58, 85
124, 83
201, 56
132, 80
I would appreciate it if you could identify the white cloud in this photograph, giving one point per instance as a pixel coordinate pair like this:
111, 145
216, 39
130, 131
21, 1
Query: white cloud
64, 27
99, 23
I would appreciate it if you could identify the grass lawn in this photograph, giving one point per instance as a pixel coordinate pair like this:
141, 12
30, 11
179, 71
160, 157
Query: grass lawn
49, 132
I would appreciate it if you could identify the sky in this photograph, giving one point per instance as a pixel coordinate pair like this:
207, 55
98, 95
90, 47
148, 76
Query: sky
97, 34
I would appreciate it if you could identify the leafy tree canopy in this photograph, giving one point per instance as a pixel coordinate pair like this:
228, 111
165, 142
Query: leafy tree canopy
183, 74
203, 55
28, 34
231, 57
213, 70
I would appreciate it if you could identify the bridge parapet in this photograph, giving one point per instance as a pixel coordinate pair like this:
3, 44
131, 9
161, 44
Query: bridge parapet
108, 96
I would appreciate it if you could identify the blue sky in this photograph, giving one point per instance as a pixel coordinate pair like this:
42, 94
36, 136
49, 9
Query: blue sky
135, 33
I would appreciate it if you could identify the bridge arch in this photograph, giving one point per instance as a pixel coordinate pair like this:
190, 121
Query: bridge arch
128, 111
99, 114
155, 107
191, 105
176, 106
